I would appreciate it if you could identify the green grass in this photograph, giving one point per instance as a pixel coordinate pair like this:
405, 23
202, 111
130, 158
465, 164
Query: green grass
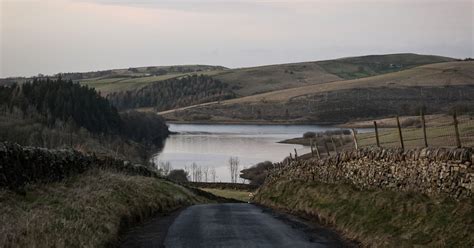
229, 193
85, 211
378, 218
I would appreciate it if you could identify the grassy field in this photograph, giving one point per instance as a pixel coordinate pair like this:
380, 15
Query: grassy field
377, 218
230, 193
85, 211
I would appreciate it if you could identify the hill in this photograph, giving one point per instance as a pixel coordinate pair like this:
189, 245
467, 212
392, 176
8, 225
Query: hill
260, 79
168, 87
254, 80
128, 88
437, 87
60, 113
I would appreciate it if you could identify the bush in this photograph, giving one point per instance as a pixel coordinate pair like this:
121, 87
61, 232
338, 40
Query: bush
309, 135
257, 173
178, 176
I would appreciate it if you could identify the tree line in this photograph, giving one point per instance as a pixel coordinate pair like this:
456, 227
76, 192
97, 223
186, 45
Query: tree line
173, 93
56, 112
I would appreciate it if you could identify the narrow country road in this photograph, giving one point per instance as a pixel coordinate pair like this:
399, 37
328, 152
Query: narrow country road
240, 225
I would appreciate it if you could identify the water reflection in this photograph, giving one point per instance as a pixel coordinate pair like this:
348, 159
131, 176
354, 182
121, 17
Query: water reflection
213, 145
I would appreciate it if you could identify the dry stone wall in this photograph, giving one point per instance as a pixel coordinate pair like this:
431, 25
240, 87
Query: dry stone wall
234, 186
433, 171
21, 165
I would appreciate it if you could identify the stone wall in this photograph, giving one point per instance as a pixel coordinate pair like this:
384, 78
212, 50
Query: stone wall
21, 165
432, 171
233, 186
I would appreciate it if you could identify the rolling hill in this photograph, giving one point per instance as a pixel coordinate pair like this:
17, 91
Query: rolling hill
437, 87
356, 87
128, 92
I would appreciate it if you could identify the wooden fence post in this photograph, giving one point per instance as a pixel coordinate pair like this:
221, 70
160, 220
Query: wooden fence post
317, 151
311, 144
334, 145
341, 143
400, 133
423, 125
327, 148
296, 154
456, 130
354, 136
376, 134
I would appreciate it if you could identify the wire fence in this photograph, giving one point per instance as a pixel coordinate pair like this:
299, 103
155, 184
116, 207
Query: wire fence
420, 131
398, 132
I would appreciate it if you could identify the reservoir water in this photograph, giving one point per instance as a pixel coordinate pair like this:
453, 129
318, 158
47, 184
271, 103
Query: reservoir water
211, 145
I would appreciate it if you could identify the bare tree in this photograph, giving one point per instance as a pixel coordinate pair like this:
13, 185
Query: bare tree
188, 172
234, 169
213, 174
205, 172
194, 169
165, 167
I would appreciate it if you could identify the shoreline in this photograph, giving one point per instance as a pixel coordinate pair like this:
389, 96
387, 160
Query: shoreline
302, 123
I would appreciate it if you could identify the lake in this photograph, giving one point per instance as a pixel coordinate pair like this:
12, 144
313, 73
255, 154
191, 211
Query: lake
211, 145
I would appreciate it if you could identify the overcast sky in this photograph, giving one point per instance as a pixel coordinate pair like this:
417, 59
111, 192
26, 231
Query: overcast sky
51, 36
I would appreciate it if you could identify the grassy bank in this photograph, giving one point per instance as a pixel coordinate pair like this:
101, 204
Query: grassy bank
377, 218
239, 195
88, 210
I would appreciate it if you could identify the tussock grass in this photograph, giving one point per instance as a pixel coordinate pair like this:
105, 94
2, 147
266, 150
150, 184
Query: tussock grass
377, 218
88, 210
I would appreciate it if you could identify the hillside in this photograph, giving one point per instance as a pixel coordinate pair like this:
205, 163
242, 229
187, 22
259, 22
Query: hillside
167, 87
254, 80
439, 87
172, 93
135, 78
132, 88
60, 113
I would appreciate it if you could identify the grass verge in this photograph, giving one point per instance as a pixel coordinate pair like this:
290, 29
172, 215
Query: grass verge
88, 210
377, 218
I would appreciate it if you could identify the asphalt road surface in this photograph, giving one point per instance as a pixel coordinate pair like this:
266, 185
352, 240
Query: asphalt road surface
242, 225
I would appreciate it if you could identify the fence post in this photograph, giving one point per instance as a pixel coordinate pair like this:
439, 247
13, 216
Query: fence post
376, 134
327, 148
400, 133
341, 144
317, 150
355, 139
456, 130
423, 125
296, 154
311, 144
334, 145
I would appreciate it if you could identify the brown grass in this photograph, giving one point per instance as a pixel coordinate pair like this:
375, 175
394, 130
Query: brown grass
377, 218
85, 211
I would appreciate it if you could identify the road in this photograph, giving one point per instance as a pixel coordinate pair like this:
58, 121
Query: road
241, 225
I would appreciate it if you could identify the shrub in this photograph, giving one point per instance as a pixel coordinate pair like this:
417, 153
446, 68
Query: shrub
178, 175
309, 135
